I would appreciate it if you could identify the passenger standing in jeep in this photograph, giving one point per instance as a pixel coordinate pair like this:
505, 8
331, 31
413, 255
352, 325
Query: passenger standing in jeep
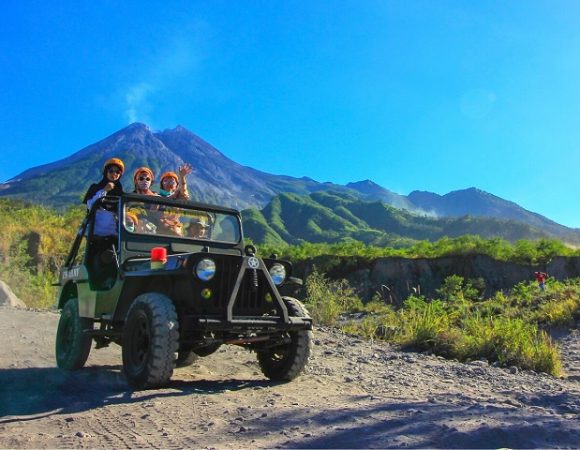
104, 235
110, 185
174, 186
143, 178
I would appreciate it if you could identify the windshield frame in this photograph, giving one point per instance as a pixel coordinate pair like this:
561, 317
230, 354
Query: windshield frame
214, 217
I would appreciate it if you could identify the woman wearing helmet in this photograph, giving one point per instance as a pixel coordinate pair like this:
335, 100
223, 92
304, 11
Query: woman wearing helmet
104, 233
142, 179
110, 185
174, 186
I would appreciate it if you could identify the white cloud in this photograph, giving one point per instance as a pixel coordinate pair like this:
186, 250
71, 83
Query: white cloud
137, 106
174, 62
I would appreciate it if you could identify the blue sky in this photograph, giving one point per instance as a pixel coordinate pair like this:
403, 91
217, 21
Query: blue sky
414, 95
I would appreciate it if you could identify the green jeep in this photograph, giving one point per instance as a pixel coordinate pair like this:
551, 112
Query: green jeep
174, 285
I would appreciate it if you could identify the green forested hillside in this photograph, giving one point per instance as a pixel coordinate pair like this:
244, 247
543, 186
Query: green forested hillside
35, 240
329, 217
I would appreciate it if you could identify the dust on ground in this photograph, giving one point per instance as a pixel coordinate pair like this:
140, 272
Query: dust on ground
354, 394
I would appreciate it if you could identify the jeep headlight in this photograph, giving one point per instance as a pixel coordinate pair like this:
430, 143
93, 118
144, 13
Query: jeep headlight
205, 269
278, 274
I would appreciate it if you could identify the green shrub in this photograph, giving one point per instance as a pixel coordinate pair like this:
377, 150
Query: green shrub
524, 294
369, 327
560, 305
31, 271
34, 288
523, 251
457, 292
502, 329
378, 306
421, 327
327, 299
515, 342
492, 307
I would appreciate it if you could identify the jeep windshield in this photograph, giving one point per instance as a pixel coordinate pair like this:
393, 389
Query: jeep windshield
148, 218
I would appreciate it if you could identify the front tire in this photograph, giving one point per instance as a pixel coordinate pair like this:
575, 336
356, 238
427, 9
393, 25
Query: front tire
286, 362
73, 343
150, 340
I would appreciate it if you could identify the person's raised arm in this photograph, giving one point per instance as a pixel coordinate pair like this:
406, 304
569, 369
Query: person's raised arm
184, 170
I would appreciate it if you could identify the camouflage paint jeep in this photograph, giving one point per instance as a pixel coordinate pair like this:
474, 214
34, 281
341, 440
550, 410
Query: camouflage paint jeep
174, 285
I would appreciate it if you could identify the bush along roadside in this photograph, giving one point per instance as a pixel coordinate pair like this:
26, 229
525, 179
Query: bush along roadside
34, 243
509, 329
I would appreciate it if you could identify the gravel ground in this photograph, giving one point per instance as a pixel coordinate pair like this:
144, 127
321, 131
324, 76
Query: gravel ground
354, 394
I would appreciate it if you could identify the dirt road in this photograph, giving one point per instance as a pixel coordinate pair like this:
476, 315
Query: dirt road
354, 395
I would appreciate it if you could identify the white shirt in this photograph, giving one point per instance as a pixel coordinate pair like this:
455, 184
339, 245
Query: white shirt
105, 221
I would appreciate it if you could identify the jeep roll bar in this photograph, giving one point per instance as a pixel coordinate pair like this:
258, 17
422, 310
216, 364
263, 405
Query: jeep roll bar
83, 228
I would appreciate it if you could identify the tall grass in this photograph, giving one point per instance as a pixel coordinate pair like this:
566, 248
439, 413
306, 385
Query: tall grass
327, 299
509, 342
504, 329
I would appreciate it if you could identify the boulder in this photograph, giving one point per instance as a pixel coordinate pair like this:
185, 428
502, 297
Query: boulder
8, 298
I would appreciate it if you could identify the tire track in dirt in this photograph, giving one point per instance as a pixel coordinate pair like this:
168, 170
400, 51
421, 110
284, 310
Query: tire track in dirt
353, 394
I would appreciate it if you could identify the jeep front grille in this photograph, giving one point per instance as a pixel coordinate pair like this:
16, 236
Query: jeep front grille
228, 269
251, 299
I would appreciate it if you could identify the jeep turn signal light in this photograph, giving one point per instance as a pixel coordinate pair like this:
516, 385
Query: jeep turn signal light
158, 257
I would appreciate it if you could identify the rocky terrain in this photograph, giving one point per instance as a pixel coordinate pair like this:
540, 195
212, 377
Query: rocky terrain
354, 394
426, 275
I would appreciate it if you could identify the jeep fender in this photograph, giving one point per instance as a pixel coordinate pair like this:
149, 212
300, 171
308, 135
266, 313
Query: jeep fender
68, 291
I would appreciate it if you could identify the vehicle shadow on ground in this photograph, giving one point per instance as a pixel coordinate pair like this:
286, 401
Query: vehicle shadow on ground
423, 424
30, 393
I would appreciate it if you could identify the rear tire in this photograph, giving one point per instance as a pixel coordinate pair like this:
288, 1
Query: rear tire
286, 362
150, 340
73, 344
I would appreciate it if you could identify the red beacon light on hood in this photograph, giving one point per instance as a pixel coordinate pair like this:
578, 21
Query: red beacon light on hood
158, 257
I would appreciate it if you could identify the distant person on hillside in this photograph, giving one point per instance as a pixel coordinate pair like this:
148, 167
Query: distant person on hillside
175, 186
541, 278
110, 185
142, 179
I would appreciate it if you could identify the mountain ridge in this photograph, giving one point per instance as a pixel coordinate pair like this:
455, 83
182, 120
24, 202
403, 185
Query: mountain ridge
220, 180
328, 217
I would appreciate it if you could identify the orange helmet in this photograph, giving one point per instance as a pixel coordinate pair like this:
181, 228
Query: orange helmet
114, 162
168, 175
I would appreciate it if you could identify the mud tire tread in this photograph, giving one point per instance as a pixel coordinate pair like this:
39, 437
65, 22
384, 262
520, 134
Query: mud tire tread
163, 341
297, 352
76, 356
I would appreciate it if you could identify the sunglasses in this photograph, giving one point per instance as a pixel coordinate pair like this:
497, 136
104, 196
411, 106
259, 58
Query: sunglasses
114, 171
144, 179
